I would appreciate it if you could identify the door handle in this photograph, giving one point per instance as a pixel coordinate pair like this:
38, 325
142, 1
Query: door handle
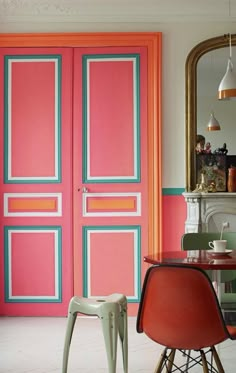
84, 190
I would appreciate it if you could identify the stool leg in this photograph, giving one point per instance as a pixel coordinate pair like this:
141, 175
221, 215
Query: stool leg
123, 334
110, 333
69, 330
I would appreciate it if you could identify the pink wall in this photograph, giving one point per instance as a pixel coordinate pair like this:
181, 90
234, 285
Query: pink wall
174, 216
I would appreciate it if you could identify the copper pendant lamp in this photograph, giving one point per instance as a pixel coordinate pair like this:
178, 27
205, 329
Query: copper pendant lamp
227, 87
213, 124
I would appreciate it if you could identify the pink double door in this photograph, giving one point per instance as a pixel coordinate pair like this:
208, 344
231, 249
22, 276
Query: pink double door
74, 206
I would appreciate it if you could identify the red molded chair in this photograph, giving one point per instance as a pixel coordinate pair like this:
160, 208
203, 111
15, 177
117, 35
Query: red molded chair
179, 309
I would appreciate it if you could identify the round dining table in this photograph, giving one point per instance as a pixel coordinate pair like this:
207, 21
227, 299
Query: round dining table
204, 259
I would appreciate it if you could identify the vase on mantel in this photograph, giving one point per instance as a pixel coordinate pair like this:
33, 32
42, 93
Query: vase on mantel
231, 184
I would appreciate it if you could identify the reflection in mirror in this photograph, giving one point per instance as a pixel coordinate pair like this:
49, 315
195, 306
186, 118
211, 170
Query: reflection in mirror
210, 70
205, 67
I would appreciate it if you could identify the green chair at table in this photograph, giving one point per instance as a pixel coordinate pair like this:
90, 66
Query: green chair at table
200, 240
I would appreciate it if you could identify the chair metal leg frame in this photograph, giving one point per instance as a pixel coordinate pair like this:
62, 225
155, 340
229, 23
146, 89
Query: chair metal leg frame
187, 361
166, 361
208, 365
229, 287
112, 311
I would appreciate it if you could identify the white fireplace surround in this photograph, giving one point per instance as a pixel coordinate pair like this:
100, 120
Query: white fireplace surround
207, 211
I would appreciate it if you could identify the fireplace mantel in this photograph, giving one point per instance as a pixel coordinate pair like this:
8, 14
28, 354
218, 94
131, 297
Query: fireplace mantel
207, 211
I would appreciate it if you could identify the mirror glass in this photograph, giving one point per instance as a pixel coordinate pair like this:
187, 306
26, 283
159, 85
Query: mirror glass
210, 70
205, 67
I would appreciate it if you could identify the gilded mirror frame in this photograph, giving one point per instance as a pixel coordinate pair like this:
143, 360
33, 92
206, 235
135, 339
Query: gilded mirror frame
191, 100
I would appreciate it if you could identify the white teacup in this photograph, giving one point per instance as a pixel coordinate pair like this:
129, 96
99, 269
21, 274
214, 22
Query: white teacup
218, 245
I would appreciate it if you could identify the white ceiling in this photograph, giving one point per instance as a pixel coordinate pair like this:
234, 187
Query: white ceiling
117, 10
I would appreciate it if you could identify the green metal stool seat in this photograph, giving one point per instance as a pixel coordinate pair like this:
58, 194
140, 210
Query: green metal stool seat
112, 311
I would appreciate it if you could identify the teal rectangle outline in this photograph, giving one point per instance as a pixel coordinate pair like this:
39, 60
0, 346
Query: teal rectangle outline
6, 264
84, 116
85, 229
6, 150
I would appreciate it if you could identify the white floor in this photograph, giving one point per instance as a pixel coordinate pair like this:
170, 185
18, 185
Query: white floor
34, 344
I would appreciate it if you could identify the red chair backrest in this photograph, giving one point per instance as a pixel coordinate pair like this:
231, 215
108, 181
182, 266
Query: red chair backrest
179, 308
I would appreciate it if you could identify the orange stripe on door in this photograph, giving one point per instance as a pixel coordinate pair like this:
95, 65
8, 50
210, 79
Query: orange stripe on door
95, 204
32, 204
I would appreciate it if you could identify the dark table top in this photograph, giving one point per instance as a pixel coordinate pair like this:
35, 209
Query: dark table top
204, 259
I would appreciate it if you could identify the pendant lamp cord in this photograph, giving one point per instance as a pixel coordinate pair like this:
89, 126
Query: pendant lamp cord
230, 53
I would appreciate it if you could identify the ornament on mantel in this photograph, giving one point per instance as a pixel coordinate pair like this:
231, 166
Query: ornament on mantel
202, 187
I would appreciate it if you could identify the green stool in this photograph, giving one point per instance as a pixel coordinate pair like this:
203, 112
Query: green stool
112, 311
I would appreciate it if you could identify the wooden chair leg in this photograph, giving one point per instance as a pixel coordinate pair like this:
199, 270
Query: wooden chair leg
170, 361
204, 362
217, 360
159, 366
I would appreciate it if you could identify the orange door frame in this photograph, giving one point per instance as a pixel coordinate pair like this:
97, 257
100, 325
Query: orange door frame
152, 41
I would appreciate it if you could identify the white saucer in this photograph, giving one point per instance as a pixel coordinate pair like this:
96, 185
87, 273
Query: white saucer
215, 253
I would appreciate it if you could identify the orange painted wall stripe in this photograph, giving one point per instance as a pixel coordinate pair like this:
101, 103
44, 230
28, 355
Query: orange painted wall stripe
23, 204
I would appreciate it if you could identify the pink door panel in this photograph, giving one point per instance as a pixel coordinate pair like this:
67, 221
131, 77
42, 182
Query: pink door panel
36, 259
110, 105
